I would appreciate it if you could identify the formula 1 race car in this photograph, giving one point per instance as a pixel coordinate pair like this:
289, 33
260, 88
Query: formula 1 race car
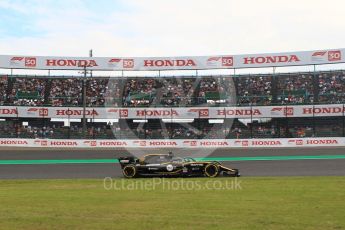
167, 165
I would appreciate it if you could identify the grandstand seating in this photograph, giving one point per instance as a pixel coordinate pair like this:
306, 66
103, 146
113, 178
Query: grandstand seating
296, 88
279, 89
155, 129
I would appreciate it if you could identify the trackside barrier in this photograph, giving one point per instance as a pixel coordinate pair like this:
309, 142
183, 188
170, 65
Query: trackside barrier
163, 143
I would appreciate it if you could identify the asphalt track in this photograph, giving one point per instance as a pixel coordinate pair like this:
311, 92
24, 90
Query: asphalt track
251, 162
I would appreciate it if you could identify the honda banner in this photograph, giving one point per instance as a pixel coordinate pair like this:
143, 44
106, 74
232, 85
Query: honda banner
174, 63
163, 143
175, 113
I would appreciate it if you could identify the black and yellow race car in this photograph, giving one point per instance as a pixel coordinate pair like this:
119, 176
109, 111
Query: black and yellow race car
167, 165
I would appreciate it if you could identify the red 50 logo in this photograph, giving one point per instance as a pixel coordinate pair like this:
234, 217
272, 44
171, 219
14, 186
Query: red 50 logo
334, 55
227, 61
43, 112
30, 62
190, 143
140, 143
193, 143
128, 63
288, 111
203, 113
299, 142
123, 112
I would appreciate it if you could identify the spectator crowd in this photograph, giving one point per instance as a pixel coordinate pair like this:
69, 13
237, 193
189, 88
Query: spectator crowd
297, 88
297, 128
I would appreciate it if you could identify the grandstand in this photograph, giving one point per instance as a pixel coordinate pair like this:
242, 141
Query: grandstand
280, 92
251, 90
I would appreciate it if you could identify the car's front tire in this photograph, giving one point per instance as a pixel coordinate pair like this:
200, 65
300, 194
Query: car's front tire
211, 170
129, 171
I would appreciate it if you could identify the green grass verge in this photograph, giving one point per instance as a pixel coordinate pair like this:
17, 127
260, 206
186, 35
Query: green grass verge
262, 203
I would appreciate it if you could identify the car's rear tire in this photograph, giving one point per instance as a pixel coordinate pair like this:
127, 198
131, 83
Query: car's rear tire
211, 170
129, 171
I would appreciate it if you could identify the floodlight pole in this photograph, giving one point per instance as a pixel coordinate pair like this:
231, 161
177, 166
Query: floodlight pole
84, 103
91, 55
84, 98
